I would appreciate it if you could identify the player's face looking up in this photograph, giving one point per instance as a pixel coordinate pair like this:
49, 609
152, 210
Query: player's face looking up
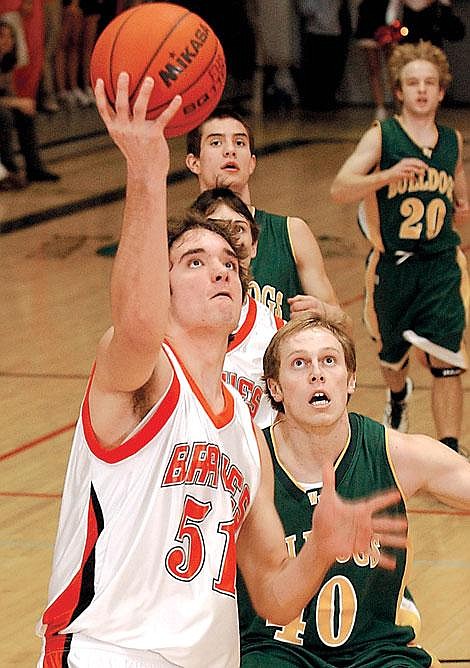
225, 158
313, 381
204, 280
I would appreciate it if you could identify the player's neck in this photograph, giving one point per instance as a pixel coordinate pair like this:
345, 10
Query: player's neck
422, 129
203, 354
245, 195
303, 450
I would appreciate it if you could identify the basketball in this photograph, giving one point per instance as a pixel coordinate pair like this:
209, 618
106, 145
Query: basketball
173, 46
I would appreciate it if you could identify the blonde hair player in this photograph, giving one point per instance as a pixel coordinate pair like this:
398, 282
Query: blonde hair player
409, 172
357, 616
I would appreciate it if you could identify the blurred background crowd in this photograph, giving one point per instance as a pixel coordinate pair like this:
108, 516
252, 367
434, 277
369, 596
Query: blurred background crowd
313, 55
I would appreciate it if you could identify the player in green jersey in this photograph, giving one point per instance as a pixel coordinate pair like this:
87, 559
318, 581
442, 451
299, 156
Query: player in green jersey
288, 261
355, 618
409, 173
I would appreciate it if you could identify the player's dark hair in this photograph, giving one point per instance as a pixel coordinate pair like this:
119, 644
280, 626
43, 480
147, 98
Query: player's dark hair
208, 201
193, 138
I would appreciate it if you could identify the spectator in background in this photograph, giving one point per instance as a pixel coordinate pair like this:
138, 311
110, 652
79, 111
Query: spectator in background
17, 113
325, 30
371, 16
379, 27
26, 76
52, 20
429, 20
276, 26
79, 29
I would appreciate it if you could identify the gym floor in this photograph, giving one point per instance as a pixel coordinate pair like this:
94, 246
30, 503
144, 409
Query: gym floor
55, 305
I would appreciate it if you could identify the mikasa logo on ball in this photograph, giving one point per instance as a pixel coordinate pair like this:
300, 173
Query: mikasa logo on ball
185, 58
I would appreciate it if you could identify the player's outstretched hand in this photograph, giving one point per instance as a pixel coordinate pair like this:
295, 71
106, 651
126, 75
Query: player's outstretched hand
342, 528
141, 141
302, 303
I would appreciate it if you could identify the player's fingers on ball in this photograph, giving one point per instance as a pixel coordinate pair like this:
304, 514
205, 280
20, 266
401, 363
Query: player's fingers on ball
101, 100
141, 103
122, 94
166, 116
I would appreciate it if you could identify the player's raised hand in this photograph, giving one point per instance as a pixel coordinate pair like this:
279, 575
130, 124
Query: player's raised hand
140, 140
343, 527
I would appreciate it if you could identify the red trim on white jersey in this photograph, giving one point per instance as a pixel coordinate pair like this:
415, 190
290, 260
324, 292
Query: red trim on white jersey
79, 592
219, 419
141, 438
246, 326
143, 567
243, 364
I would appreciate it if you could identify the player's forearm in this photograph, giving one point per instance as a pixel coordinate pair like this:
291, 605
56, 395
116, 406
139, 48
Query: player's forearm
286, 591
348, 188
139, 285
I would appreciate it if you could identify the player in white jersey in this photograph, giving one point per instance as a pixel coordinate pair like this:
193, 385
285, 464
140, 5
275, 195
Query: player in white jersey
167, 470
243, 365
181, 456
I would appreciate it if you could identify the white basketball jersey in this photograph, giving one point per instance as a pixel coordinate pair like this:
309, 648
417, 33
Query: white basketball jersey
145, 553
243, 365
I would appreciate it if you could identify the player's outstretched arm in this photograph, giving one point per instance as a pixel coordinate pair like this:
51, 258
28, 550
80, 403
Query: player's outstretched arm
280, 587
355, 180
426, 465
309, 262
128, 353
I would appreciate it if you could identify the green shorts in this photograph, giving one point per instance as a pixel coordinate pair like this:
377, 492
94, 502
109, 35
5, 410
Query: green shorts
426, 295
272, 654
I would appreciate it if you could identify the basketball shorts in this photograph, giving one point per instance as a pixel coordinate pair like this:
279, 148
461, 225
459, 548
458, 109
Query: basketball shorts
86, 652
377, 655
427, 295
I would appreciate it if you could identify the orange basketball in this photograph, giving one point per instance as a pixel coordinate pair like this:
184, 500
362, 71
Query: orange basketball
172, 45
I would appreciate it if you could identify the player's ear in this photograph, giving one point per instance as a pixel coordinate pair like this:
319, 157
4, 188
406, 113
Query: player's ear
352, 384
252, 164
274, 389
193, 163
398, 94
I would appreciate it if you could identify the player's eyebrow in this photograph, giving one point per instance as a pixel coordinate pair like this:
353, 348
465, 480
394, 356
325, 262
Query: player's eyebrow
203, 251
217, 135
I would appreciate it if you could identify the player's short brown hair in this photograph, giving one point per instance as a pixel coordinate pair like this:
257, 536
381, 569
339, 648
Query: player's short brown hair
193, 138
272, 355
403, 54
208, 201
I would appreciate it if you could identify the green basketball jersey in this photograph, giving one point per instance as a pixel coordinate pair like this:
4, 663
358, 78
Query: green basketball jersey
354, 613
415, 213
274, 271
